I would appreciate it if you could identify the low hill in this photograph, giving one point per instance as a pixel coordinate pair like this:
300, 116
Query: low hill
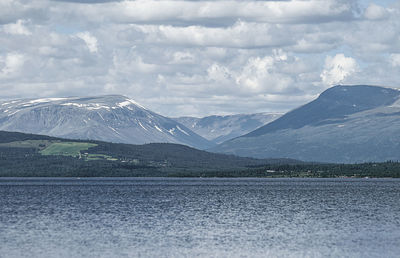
29, 155
36, 155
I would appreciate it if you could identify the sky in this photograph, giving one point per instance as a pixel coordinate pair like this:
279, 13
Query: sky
197, 58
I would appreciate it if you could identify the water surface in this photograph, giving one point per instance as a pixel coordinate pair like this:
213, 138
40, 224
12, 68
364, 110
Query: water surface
158, 217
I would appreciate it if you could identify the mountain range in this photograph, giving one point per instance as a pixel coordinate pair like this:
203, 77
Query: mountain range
118, 119
218, 129
111, 118
345, 124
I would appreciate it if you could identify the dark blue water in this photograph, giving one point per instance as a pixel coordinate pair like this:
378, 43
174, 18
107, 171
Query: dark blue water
156, 217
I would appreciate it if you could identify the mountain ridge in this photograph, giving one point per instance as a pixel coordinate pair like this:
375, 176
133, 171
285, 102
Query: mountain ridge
113, 118
339, 109
345, 124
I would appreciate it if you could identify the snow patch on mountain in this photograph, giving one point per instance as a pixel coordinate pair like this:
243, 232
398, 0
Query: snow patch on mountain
142, 126
130, 102
180, 129
45, 100
158, 128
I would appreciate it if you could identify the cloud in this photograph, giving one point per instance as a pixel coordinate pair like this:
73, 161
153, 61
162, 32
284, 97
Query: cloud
17, 28
91, 42
395, 60
131, 63
260, 75
239, 35
10, 10
220, 12
11, 64
278, 73
13, 10
196, 57
87, 1
375, 12
337, 68
182, 57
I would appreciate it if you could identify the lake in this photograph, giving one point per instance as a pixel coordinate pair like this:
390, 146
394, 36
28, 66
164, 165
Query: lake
172, 217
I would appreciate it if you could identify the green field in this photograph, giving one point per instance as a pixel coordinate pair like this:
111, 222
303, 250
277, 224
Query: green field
72, 149
67, 148
99, 157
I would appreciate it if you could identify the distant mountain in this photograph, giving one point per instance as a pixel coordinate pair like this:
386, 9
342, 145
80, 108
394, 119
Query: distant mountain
344, 124
112, 118
222, 128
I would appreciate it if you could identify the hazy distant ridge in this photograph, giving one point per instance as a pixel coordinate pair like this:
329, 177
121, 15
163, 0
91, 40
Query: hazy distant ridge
222, 128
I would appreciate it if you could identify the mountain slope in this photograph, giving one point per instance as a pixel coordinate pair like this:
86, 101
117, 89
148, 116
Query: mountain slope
111, 118
222, 128
344, 124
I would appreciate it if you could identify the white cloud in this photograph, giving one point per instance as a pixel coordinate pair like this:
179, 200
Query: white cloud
219, 74
17, 28
276, 73
337, 68
240, 35
196, 57
91, 41
11, 64
131, 63
395, 60
375, 12
13, 10
315, 40
221, 12
182, 58
261, 75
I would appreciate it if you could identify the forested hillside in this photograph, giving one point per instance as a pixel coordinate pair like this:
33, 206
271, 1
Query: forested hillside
27, 155
36, 155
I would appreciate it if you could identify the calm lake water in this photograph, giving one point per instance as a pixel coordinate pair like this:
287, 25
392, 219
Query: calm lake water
158, 217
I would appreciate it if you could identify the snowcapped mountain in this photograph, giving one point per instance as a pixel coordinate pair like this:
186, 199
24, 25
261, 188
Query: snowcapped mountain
112, 118
344, 124
222, 128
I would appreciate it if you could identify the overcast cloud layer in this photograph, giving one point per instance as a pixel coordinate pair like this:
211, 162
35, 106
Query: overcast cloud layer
197, 57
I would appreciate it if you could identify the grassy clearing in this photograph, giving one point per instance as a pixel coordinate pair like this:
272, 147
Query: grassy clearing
67, 148
100, 157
